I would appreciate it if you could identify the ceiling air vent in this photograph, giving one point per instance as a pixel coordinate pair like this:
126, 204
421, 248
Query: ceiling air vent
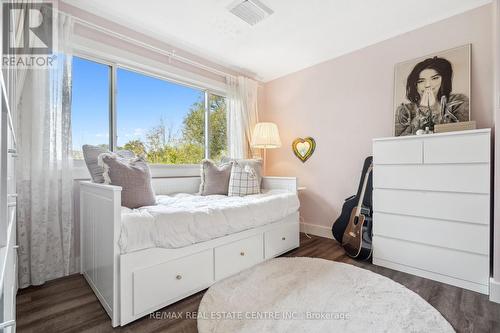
250, 11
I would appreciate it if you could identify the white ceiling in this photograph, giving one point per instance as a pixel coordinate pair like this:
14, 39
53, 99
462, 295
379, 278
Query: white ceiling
299, 34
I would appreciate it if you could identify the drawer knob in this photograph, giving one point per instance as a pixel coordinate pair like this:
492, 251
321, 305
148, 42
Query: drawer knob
178, 277
242, 253
283, 238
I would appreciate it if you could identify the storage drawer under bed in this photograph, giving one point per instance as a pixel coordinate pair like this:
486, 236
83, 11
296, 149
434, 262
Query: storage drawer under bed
281, 239
235, 257
159, 284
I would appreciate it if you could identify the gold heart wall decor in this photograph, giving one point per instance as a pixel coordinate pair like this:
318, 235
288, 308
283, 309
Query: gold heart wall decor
303, 148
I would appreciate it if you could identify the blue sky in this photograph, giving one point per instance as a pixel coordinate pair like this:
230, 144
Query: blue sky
141, 102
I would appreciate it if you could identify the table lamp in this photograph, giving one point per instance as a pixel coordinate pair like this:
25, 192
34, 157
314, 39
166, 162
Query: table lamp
265, 136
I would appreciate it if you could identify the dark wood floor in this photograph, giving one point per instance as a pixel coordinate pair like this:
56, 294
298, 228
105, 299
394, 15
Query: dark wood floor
69, 305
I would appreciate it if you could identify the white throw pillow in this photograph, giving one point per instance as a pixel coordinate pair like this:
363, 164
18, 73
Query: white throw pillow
244, 180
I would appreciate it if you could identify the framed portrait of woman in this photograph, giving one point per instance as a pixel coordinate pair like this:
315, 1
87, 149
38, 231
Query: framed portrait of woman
431, 90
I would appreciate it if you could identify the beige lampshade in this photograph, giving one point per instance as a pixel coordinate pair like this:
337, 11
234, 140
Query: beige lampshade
266, 135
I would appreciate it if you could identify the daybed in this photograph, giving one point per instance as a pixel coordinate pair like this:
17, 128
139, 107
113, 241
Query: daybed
138, 261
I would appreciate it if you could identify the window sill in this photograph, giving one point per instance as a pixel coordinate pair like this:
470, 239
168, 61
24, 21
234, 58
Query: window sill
80, 171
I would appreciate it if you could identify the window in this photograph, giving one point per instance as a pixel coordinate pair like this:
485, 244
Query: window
89, 105
163, 120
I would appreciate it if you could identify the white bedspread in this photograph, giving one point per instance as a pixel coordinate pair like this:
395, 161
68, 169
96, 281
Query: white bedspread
184, 219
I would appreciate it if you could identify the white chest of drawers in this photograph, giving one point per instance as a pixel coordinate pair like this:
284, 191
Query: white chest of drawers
431, 203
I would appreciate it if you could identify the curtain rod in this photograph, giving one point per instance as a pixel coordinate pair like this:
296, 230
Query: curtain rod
169, 54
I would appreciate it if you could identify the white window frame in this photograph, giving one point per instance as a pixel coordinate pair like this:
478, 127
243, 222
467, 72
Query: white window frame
157, 170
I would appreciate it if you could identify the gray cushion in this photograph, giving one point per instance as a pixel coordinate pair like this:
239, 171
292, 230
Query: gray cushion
214, 179
133, 175
243, 180
254, 163
91, 153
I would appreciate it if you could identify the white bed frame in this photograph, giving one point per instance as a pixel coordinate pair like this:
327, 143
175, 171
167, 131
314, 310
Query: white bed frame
132, 285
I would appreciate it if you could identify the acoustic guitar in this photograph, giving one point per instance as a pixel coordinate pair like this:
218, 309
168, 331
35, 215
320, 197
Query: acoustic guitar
356, 240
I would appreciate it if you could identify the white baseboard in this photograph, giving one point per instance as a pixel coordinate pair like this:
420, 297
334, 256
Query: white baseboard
494, 290
316, 230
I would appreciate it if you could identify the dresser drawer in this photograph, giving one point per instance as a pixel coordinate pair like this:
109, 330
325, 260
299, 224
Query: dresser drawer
473, 148
468, 237
407, 151
159, 284
465, 207
457, 264
470, 178
236, 256
281, 239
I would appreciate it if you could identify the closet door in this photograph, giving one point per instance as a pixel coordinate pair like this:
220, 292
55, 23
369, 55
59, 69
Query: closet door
8, 153
495, 296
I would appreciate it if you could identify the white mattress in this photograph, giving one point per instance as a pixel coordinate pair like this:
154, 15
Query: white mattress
184, 219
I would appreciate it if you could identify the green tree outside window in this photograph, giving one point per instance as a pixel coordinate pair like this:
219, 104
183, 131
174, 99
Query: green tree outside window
162, 147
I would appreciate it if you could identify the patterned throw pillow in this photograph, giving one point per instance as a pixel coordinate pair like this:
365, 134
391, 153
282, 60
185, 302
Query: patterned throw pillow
254, 163
244, 180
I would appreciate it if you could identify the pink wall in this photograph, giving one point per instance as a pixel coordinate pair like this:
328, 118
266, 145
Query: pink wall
345, 102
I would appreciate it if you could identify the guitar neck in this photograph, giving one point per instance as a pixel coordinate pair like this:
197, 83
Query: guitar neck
363, 190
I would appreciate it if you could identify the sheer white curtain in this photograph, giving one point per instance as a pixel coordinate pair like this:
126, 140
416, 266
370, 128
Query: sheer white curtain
44, 182
242, 115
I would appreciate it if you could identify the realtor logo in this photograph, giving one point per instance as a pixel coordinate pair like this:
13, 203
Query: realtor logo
28, 34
